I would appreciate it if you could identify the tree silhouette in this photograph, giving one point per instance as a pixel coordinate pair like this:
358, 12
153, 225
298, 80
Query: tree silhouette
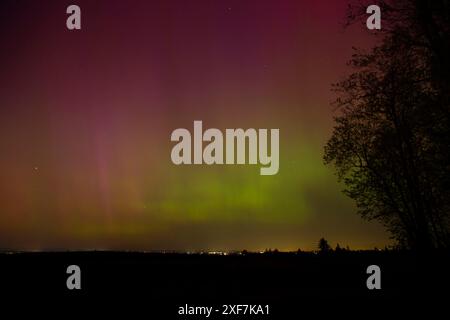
390, 144
324, 246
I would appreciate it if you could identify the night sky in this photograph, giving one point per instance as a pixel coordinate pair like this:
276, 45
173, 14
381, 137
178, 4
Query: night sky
86, 118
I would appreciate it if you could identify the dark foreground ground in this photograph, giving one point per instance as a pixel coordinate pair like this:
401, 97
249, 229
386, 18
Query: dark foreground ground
290, 284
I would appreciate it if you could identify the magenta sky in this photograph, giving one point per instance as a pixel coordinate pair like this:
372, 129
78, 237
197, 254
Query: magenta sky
86, 117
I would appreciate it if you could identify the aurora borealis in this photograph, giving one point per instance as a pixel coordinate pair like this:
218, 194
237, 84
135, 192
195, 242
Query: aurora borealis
86, 118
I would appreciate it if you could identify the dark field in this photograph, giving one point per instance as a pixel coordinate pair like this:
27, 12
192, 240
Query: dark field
288, 282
